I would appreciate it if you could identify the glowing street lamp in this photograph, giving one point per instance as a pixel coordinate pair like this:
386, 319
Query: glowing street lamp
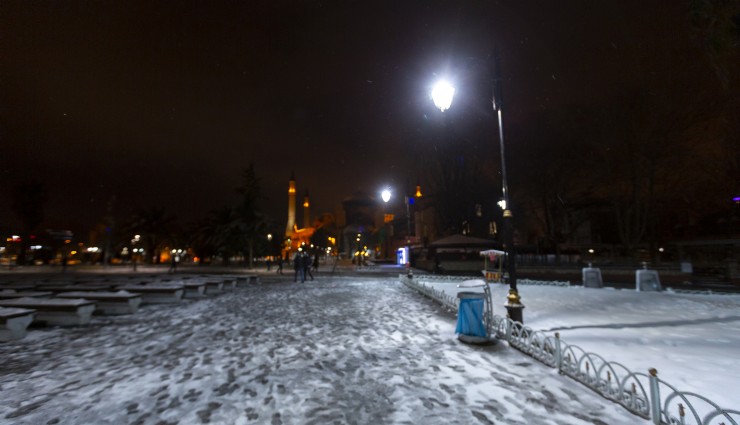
442, 95
386, 195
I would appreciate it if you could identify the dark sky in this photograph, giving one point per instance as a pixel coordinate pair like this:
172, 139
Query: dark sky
164, 103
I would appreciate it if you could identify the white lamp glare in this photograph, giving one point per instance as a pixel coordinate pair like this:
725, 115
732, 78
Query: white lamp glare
442, 94
386, 195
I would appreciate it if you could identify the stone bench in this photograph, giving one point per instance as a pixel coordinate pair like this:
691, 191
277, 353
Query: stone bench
214, 286
157, 294
13, 322
77, 287
55, 311
107, 302
194, 289
9, 294
229, 284
18, 286
243, 281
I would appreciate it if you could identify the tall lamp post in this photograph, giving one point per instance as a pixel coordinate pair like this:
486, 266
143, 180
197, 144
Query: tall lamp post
408, 200
442, 94
385, 195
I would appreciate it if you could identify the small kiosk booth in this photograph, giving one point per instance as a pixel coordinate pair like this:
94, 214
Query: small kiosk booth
493, 262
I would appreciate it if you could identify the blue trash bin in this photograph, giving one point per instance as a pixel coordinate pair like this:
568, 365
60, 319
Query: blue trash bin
471, 326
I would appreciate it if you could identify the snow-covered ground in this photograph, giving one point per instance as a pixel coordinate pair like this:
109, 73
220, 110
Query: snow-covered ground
358, 348
355, 349
692, 340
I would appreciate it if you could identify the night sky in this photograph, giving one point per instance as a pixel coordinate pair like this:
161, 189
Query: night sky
164, 103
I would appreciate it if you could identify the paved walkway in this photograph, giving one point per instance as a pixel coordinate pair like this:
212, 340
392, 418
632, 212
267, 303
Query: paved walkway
345, 349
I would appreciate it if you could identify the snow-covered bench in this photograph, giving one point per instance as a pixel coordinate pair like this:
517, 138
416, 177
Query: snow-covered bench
157, 293
9, 294
76, 287
229, 284
13, 322
242, 281
56, 311
110, 303
194, 288
214, 286
18, 286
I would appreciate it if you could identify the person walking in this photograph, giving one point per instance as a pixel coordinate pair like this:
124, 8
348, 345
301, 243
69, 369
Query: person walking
307, 265
173, 264
315, 264
280, 265
298, 266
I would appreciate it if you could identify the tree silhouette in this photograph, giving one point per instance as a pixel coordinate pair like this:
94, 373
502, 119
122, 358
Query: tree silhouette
457, 182
555, 182
222, 232
250, 222
155, 226
28, 200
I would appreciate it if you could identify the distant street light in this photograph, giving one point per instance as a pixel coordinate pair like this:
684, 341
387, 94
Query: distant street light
135, 256
386, 195
442, 95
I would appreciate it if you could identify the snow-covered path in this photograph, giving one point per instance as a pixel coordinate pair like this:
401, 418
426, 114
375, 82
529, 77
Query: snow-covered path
354, 350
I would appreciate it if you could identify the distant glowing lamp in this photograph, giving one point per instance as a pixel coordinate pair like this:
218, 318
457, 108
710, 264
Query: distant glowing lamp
442, 95
386, 195
502, 204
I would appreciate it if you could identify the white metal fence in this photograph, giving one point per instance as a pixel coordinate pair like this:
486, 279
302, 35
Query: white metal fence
643, 394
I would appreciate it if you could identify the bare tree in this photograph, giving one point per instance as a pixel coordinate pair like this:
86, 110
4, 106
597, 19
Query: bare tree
556, 177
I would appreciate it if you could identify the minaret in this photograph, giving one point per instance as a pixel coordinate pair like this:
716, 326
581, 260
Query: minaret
291, 206
306, 211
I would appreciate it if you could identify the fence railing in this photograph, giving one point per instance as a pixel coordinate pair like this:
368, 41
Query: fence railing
643, 394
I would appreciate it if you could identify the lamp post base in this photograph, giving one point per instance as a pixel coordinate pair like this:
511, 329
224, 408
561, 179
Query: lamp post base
515, 312
514, 306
